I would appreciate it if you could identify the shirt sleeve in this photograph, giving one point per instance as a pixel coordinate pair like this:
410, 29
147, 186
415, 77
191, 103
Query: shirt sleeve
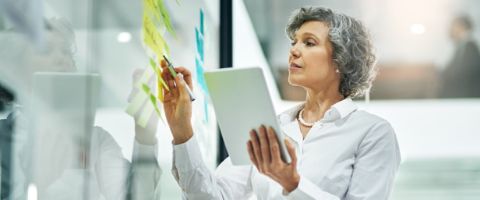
111, 168
375, 166
198, 182
145, 172
308, 190
117, 177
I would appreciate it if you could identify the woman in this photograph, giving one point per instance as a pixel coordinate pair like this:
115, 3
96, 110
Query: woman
338, 152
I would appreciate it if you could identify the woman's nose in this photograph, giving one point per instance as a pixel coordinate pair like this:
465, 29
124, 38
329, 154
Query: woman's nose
294, 51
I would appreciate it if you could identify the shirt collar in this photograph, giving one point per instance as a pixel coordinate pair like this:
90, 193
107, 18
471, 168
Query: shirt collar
343, 108
338, 110
288, 124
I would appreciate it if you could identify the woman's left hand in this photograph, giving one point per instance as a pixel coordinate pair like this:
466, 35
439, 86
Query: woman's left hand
264, 151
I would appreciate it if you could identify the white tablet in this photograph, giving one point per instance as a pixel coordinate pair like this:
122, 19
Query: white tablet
242, 102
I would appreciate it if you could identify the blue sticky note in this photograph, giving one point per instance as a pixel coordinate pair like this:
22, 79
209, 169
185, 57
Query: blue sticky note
200, 78
199, 41
202, 29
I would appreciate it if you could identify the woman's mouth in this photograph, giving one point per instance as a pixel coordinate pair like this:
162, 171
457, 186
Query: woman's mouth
294, 66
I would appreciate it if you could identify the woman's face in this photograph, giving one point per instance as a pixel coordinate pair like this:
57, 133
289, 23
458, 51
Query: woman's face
310, 59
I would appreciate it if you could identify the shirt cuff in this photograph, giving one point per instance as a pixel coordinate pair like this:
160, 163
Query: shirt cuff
308, 190
187, 156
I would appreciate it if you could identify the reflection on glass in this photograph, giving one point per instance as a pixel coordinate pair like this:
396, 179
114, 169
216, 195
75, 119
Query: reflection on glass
54, 149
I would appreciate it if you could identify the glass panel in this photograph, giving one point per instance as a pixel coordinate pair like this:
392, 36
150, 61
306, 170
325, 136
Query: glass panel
70, 73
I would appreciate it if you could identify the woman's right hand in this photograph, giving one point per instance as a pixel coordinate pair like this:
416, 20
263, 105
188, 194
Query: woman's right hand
177, 104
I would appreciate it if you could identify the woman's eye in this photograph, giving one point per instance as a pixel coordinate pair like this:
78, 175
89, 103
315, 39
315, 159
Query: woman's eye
293, 43
309, 43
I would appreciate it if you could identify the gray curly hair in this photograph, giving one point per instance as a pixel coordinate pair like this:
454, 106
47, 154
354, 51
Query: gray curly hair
353, 52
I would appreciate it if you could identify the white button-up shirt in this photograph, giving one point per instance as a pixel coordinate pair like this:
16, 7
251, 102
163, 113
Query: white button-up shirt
349, 154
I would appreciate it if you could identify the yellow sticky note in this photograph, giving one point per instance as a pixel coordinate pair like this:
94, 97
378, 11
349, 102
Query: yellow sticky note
152, 7
152, 38
160, 82
159, 11
160, 85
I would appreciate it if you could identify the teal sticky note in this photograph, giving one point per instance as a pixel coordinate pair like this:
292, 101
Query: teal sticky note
202, 28
199, 41
200, 78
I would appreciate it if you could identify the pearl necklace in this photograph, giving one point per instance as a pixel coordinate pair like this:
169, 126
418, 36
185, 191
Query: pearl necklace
303, 122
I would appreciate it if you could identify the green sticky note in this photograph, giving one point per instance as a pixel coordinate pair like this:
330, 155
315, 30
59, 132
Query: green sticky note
166, 17
153, 99
146, 77
146, 89
145, 115
149, 108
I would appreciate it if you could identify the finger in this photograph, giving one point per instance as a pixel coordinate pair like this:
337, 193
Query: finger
173, 88
167, 96
264, 147
273, 143
187, 75
251, 153
167, 77
164, 64
256, 146
291, 152
182, 91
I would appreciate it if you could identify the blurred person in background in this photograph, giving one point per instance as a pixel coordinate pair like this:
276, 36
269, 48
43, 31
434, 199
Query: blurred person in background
110, 175
461, 78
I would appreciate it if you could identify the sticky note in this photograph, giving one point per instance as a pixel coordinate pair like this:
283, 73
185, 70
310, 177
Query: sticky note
146, 77
160, 90
200, 77
137, 102
202, 29
145, 115
153, 100
199, 42
166, 17
152, 7
158, 73
152, 38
